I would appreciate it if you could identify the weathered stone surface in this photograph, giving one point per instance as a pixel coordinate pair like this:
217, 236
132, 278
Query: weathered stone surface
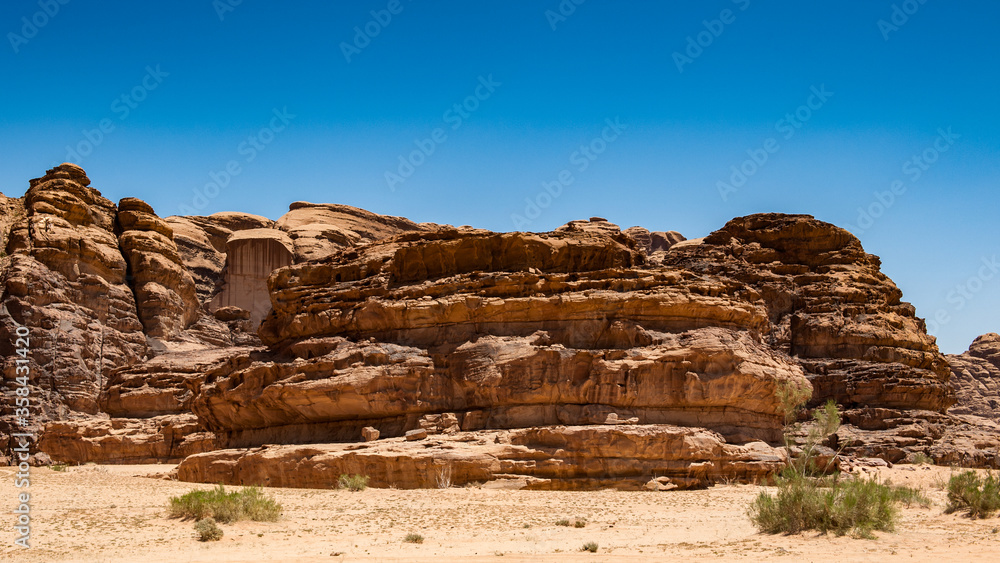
583, 358
976, 378
167, 384
66, 281
201, 243
830, 306
899, 435
552, 458
126, 440
251, 256
321, 229
164, 290
711, 378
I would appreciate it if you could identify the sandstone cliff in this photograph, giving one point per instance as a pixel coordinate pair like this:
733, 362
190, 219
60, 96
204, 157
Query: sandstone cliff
580, 358
976, 378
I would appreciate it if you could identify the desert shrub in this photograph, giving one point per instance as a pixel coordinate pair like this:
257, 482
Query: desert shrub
590, 546
414, 538
920, 458
579, 524
976, 495
857, 506
248, 504
208, 530
58, 467
563, 522
353, 482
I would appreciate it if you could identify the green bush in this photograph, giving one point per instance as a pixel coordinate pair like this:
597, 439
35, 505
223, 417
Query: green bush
590, 546
859, 506
353, 482
978, 496
208, 530
248, 504
414, 538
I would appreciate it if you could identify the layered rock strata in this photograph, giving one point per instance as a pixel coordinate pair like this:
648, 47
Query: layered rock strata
586, 357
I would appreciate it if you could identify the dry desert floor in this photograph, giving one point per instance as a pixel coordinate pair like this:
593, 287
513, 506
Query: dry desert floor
97, 513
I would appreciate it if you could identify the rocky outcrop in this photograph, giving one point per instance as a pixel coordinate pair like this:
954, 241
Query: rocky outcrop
67, 282
251, 256
332, 388
586, 357
160, 439
318, 230
164, 290
549, 458
976, 378
828, 305
201, 244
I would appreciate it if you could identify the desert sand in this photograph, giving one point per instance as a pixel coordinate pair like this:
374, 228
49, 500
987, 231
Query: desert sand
117, 513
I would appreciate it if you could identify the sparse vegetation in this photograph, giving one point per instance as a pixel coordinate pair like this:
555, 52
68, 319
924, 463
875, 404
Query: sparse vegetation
807, 499
353, 482
590, 546
58, 467
976, 495
857, 506
414, 538
208, 530
580, 523
920, 458
563, 522
248, 504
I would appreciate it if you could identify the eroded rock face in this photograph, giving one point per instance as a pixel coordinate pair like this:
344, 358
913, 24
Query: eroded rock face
160, 439
164, 290
711, 378
67, 282
587, 357
549, 458
976, 378
828, 305
318, 230
251, 256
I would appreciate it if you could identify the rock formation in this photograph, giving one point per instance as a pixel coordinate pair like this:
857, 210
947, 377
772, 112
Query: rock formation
422, 354
976, 378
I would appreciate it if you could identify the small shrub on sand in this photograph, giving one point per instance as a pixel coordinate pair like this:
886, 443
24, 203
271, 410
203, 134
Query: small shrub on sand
976, 495
208, 530
414, 538
590, 546
248, 504
857, 506
353, 482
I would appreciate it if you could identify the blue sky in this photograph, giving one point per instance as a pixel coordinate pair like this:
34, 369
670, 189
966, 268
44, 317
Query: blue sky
838, 109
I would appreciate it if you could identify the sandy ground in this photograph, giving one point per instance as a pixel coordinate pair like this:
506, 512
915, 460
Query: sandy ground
117, 514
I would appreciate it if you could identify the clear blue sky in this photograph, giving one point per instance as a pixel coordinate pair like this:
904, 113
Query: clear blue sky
217, 81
